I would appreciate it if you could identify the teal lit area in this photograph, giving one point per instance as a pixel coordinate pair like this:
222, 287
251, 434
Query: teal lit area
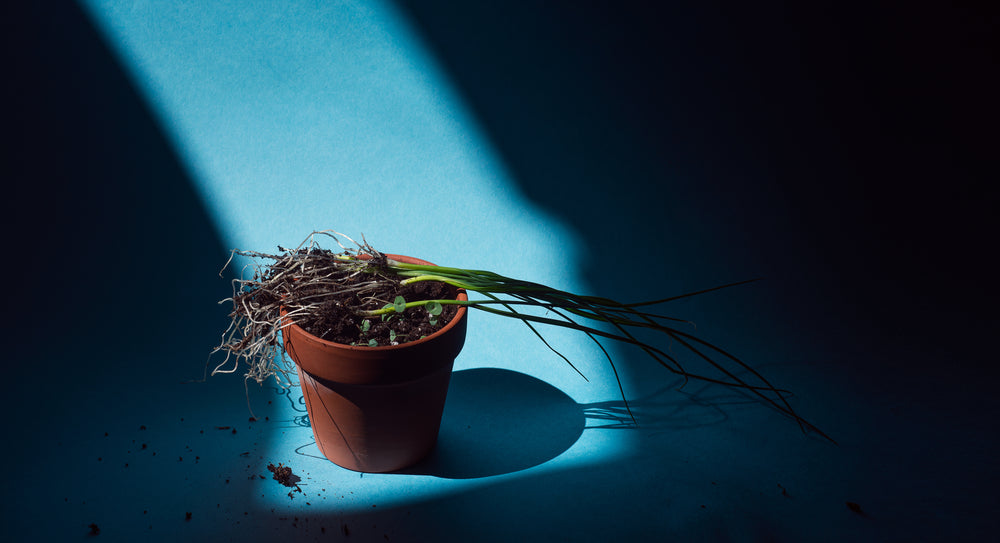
632, 152
299, 118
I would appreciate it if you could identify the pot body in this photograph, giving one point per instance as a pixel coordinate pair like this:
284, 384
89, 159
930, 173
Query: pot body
376, 409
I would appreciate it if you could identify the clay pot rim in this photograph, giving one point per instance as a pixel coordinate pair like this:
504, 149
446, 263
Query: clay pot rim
462, 310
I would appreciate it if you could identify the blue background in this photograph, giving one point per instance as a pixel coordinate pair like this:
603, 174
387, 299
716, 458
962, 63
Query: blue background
846, 156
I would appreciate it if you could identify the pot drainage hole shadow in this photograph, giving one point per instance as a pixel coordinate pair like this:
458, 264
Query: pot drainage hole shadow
500, 421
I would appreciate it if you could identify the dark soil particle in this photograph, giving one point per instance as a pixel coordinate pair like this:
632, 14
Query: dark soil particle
283, 474
94, 530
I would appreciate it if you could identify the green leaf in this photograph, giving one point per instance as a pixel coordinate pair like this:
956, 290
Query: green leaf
392, 335
366, 325
399, 304
372, 343
434, 308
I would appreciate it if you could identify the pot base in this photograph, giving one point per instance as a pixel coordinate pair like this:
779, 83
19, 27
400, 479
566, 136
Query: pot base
376, 428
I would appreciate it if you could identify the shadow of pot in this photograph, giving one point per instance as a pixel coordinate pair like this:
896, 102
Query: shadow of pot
499, 421
376, 409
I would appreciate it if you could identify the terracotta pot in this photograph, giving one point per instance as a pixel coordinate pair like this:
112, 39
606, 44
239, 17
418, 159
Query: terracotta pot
376, 409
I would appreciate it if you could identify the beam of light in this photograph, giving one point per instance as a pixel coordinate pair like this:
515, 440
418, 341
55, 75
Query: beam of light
294, 116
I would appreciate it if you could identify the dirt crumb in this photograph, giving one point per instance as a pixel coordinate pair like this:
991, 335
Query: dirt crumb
283, 474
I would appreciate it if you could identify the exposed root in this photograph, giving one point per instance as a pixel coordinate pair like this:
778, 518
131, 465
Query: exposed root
296, 282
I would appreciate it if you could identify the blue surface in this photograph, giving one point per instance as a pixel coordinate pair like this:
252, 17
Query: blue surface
629, 154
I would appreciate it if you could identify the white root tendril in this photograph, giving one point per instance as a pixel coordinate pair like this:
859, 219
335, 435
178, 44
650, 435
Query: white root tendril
253, 336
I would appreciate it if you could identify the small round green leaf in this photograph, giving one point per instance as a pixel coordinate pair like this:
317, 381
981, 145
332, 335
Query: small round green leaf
434, 308
399, 304
372, 343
